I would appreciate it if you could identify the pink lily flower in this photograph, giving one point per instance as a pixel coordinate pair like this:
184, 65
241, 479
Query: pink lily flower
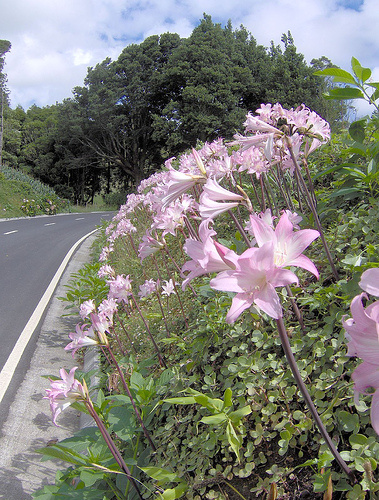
210, 205
254, 280
86, 308
101, 325
179, 184
81, 338
362, 332
216, 192
288, 244
205, 256
107, 308
64, 392
149, 287
169, 288
209, 209
120, 288
149, 246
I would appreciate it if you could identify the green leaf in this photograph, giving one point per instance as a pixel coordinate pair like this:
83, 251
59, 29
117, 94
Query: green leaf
174, 493
357, 130
357, 440
361, 73
350, 421
209, 403
62, 453
214, 419
236, 416
228, 398
185, 400
339, 75
234, 440
90, 477
345, 191
327, 171
344, 93
160, 475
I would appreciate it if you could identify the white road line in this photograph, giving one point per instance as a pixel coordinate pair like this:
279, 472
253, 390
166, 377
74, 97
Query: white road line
50, 224
11, 232
80, 218
10, 366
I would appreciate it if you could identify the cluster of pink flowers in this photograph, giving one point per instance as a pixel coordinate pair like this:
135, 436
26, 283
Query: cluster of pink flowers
362, 332
255, 273
186, 198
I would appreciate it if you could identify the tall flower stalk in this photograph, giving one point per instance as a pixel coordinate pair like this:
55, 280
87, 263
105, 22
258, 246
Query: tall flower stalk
308, 400
313, 209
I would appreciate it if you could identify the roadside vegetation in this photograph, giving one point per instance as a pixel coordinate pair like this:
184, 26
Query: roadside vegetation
239, 356
21, 195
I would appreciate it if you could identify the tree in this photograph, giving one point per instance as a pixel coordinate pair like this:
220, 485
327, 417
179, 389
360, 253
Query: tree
116, 107
5, 47
290, 80
211, 84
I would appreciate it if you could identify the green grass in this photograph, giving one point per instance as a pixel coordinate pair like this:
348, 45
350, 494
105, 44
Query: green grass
16, 187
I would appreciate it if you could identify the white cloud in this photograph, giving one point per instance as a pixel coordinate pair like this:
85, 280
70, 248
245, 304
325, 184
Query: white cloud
54, 41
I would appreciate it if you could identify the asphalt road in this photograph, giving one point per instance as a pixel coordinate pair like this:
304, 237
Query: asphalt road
31, 251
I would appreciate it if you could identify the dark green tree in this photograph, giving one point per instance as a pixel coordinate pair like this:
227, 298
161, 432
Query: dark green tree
211, 84
115, 108
5, 47
291, 81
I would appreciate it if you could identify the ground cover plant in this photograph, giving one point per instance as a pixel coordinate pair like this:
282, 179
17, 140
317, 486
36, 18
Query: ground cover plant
230, 359
21, 194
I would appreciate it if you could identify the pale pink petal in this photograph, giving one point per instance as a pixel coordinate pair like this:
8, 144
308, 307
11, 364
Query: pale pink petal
374, 413
240, 302
300, 241
267, 299
217, 192
370, 281
282, 277
209, 209
227, 282
366, 375
262, 231
305, 263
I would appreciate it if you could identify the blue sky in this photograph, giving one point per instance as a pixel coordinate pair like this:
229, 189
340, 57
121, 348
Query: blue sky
54, 41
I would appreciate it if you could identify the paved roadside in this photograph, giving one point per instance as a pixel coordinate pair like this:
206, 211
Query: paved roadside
27, 419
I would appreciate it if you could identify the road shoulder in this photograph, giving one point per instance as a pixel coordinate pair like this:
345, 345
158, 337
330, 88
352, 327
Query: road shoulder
28, 425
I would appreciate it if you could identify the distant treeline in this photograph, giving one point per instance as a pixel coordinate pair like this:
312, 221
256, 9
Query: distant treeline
156, 100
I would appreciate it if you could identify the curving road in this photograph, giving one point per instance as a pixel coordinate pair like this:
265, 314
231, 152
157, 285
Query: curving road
31, 251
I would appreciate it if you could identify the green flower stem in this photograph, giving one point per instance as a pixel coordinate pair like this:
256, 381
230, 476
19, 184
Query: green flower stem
126, 387
299, 381
312, 208
295, 308
240, 228
163, 313
263, 193
126, 333
161, 360
111, 445
256, 193
115, 335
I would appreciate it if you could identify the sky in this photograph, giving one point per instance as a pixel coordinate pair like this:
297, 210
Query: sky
55, 41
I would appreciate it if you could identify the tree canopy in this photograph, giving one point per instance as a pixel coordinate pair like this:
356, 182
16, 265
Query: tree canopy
155, 101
